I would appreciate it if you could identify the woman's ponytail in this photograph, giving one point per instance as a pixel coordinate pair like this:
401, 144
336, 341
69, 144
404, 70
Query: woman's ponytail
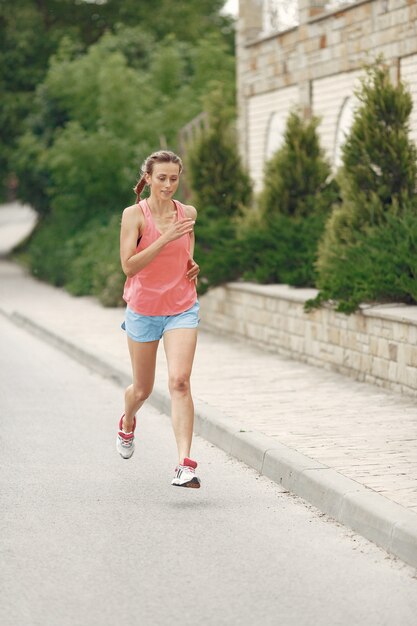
139, 188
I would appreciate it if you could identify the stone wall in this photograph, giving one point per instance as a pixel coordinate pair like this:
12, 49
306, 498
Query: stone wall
376, 345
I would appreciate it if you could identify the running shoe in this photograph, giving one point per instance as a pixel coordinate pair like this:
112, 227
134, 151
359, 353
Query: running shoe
185, 475
125, 444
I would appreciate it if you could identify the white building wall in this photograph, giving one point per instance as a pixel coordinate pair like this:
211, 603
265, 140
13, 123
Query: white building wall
321, 57
328, 97
267, 114
262, 109
408, 71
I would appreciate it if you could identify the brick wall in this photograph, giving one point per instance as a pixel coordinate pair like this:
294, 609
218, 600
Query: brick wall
377, 345
292, 67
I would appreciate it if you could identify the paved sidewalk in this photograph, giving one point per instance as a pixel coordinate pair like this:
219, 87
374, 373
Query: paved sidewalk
348, 448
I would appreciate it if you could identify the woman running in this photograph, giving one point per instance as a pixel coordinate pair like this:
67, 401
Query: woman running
156, 251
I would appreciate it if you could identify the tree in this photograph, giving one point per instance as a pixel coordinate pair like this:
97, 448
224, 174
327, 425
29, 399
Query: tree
30, 32
295, 202
378, 182
95, 117
216, 175
221, 189
297, 173
88, 98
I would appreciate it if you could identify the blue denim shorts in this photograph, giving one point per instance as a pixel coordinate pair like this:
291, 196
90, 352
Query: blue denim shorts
151, 327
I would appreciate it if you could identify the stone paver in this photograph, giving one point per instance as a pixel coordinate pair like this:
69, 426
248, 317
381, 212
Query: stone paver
366, 434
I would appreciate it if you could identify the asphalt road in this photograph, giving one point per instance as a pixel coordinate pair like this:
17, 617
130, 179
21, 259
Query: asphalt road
88, 539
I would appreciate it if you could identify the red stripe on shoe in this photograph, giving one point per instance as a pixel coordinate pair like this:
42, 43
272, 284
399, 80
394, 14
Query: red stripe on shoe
189, 463
121, 424
126, 436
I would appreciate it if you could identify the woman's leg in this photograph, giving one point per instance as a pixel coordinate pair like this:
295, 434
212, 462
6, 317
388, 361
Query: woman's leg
143, 358
179, 347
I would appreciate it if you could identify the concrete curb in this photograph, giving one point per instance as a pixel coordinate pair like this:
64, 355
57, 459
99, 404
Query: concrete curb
386, 523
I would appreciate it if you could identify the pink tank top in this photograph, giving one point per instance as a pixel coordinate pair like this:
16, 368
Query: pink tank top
161, 288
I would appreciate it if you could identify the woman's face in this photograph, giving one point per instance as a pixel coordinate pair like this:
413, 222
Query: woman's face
164, 180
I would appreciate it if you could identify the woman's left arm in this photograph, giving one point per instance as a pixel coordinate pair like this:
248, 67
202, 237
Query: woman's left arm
193, 269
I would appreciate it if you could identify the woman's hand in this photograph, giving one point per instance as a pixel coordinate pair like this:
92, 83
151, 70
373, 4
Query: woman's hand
179, 228
193, 270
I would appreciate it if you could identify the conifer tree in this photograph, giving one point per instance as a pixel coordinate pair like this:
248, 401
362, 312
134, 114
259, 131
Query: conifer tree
216, 175
221, 189
295, 202
297, 173
378, 184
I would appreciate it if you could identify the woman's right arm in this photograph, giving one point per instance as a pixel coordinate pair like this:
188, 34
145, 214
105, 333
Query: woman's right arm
131, 228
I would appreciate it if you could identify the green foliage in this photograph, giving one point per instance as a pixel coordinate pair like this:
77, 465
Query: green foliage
94, 109
23, 56
49, 254
381, 266
280, 245
30, 32
95, 267
221, 189
212, 61
283, 252
189, 20
96, 115
216, 249
297, 172
86, 263
379, 158
294, 204
378, 181
89, 175
215, 174
34, 176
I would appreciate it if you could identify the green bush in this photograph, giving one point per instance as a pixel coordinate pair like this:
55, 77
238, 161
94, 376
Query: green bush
216, 249
48, 253
298, 173
378, 181
380, 266
221, 189
89, 176
283, 252
34, 177
86, 263
294, 204
96, 268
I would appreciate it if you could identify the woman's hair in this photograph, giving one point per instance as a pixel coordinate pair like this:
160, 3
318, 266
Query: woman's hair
162, 156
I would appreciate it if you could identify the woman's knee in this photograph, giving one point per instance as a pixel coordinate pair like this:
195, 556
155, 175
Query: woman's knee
140, 394
179, 384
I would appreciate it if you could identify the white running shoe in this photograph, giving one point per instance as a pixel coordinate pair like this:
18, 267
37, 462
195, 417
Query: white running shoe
185, 475
125, 443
